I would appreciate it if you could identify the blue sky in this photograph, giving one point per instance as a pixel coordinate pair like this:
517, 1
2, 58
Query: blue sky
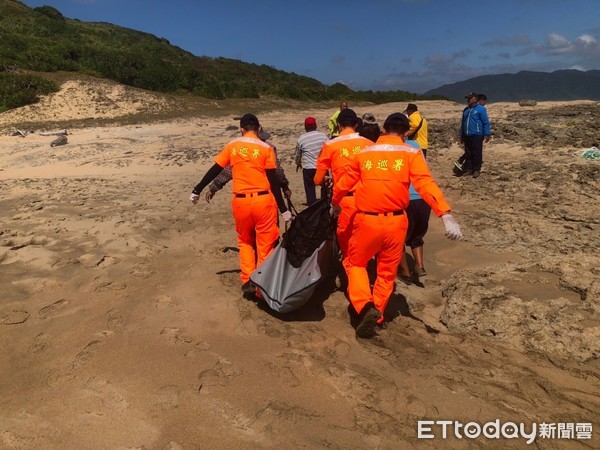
412, 45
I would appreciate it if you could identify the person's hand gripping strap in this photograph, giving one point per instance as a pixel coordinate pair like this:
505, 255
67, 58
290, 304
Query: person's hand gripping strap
287, 216
335, 210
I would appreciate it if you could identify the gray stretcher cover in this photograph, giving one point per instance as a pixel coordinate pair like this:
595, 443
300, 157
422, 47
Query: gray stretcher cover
287, 288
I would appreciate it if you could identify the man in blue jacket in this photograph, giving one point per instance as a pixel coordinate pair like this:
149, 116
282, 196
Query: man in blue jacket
474, 129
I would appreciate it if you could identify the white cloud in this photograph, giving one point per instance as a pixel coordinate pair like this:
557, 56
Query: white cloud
586, 39
557, 41
585, 46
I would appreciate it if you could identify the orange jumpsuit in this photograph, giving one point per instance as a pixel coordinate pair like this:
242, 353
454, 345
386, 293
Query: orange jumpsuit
254, 207
336, 155
381, 175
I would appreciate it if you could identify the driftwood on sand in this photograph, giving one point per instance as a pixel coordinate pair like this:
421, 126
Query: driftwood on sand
54, 133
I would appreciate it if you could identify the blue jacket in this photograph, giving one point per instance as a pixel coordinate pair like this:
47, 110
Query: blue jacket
475, 122
412, 192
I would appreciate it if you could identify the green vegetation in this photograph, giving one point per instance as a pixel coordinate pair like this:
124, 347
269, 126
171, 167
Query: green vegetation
43, 40
22, 89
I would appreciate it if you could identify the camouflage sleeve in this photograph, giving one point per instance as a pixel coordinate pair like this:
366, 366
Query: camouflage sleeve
222, 179
283, 181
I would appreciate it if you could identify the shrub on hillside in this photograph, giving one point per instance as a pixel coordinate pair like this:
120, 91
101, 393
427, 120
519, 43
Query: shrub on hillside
21, 89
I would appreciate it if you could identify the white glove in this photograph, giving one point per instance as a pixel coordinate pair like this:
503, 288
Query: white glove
287, 216
335, 210
194, 198
452, 229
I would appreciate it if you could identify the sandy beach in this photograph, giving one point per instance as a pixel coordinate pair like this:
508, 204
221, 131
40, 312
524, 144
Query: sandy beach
122, 324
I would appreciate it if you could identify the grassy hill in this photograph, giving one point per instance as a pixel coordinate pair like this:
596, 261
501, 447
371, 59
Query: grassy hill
43, 40
540, 86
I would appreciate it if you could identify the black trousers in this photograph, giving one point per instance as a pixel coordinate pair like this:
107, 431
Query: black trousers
417, 212
309, 185
473, 152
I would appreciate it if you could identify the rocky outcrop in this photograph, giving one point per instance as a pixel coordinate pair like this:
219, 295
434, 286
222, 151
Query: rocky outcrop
560, 320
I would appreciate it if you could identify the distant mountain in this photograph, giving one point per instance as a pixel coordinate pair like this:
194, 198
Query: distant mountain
43, 40
539, 86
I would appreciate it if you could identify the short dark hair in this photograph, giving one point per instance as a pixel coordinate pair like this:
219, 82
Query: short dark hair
371, 131
347, 118
249, 122
482, 97
396, 123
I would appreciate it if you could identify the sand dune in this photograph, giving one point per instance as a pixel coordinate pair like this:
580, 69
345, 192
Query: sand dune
122, 323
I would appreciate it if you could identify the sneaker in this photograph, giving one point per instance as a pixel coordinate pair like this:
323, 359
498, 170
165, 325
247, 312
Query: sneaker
420, 272
476, 174
248, 287
458, 169
368, 321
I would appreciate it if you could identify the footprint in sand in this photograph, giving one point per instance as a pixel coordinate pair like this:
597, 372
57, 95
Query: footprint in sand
173, 446
64, 375
86, 354
168, 397
65, 263
198, 348
174, 336
141, 271
15, 317
230, 278
60, 376
39, 343
115, 320
105, 285
52, 309
221, 374
163, 301
256, 322
107, 393
285, 373
106, 261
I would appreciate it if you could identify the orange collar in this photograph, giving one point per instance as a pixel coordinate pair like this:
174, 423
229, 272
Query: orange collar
390, 139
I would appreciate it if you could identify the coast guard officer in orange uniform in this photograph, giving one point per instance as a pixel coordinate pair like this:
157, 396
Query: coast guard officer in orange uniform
256, 195
381, 175
336, 155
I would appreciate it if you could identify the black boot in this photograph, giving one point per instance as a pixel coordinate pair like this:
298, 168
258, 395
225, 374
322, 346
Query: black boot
248, 287
368, 321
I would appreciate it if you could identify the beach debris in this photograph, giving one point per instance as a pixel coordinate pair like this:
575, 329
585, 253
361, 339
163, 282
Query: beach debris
591, 153
54, 133
61, 140
527, 102
19, 133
